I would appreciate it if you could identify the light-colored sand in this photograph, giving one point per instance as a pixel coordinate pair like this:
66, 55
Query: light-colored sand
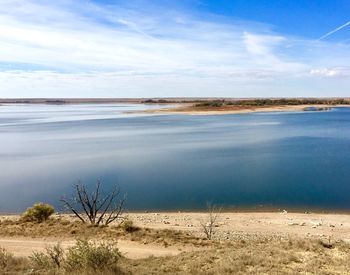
230, 226
24, 247
190, 110
235, 224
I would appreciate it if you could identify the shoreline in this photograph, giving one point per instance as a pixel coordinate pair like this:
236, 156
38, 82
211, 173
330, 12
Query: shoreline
185, 109
223, 210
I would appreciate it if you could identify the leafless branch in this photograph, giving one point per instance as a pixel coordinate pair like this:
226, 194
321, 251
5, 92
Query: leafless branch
208, 225
94, 208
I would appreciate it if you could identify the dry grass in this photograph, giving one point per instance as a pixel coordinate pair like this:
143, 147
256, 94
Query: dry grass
10, 264
263, 256
253, 257
59, 227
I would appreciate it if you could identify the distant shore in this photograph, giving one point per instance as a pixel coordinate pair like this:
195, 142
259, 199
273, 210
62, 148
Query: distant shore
164, 100
201, 106
188, 109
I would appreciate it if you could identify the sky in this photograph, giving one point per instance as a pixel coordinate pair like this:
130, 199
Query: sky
173, 48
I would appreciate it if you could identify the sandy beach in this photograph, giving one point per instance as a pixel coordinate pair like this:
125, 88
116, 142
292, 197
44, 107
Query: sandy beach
189, 109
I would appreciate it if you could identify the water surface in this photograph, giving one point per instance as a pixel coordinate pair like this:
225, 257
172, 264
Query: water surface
175, 162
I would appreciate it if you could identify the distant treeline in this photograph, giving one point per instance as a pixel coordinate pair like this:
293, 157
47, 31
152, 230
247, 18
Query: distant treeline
156, 101
273, 102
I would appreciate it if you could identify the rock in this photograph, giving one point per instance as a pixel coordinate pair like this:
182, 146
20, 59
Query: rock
317, 223
284, 212
293, 223
331, 225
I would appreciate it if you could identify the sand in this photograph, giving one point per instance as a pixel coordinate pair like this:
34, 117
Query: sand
269, 223
186, 109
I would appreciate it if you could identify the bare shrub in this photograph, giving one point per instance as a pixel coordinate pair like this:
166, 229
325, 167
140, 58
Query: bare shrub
39, 212
209, 224
94, 208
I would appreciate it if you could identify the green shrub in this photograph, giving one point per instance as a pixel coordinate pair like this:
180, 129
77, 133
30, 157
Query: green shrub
210, 104
5, 258
39, 212
91, 256
128, 226
53, 258
40, 261
10, 264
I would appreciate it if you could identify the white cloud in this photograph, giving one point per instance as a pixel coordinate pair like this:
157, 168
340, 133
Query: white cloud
118, 51
331, 72
261, 45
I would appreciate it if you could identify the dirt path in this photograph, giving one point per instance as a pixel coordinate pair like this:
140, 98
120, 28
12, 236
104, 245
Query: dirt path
23, 247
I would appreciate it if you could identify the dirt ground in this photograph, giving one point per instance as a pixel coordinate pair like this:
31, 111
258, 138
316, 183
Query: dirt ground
231, 226
235, 225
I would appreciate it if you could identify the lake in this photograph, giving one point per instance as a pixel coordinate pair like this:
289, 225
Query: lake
175, 162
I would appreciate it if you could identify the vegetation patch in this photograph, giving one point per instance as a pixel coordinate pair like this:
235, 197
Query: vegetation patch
269, 102
65, 227
253, 257
39, 212
258, 256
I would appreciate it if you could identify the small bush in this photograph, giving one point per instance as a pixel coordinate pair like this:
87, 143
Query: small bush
5, 258
39, 212
83, 258
128, 226
10, 264
210, 104
53, 258
40, 261
91, 256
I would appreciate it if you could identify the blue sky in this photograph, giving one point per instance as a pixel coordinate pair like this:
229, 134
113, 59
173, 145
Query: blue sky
167, 48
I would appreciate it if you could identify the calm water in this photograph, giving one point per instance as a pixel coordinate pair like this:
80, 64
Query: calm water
173, 162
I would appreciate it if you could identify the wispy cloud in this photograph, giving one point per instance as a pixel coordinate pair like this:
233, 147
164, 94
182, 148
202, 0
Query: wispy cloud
331, 72
78, 48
